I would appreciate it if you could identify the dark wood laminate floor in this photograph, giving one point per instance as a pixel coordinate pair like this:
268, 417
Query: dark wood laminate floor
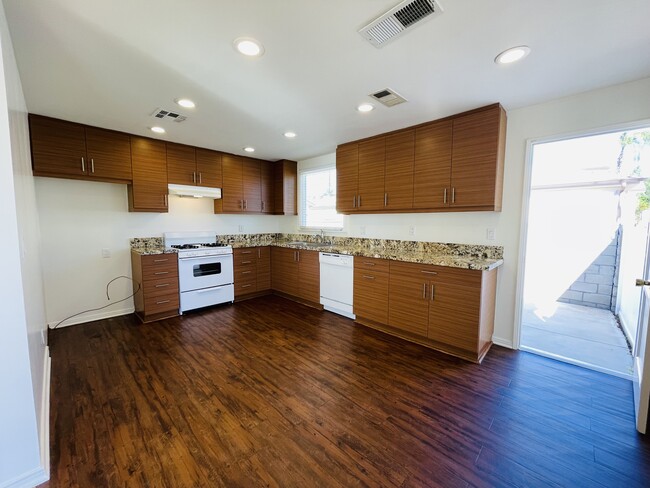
270, 393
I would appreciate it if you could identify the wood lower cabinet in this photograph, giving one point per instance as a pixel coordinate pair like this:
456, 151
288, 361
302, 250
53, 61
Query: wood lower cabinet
68, 150
371, 289
148, 192
252, 268
448, 309
296, 273
155, 285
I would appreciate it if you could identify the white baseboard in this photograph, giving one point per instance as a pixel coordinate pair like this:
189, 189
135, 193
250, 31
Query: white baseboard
91, 317
44, 435
27, 480
499, 341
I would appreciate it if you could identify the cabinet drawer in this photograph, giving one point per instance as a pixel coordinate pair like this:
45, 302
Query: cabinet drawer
160, 271
163, 303
163, 286
437, 274
371, 264
244, 287
159, 259
245, 275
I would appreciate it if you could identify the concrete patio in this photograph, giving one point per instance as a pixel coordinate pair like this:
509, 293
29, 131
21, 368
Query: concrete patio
577, 334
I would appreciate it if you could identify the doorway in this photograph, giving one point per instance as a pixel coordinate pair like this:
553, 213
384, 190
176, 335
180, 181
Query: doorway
586, 236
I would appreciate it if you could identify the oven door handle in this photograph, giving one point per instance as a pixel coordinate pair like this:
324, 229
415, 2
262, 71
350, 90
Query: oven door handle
206, 290
220, 256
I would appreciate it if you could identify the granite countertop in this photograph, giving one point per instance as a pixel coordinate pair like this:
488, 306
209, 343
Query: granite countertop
146, 251
150, 245
410, 256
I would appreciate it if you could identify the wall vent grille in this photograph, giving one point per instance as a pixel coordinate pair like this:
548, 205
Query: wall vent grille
163, 114
388, 97
397, 20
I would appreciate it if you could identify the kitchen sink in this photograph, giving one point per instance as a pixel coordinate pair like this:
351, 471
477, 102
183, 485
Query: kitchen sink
307, 244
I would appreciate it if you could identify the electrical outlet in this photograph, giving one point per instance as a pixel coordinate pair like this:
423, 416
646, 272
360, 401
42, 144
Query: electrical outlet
411, 230
362, 230
490, 234
241, 228
106, 253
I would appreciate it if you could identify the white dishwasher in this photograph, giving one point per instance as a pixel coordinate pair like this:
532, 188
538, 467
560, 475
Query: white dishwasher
336, 283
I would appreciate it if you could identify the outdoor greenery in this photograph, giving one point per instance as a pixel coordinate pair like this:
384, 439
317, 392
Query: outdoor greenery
636, 141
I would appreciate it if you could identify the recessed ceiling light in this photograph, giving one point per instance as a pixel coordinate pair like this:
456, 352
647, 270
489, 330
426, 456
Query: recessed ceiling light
365, 107
249, 149
158, 130
248, 46
289, 134
185, 102
512, 55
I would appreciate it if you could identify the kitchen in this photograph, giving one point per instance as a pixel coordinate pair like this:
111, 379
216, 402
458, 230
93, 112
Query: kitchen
77, 220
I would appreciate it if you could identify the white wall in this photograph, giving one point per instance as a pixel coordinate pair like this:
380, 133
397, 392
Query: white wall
22, 355
628, 102
78, 219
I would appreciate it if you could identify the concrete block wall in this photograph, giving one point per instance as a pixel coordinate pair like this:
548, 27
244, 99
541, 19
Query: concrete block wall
596, 286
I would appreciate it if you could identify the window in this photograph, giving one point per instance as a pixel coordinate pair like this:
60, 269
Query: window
318, 199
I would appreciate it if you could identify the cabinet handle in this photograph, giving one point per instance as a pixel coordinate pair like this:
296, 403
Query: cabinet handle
444, 198
241, 206
385, 199
92, 165
424, 290
354, 201
359, 201
433, 291
259, 253
368, 264
200, 178
162, 301
453, 195
429, 272
246, 262
162, 285
83, 165
246, 272
246, 252
161, 272
194, 177
246, 286
160, 260
245, 204
369, 277
262, 204
165, 198
298, 254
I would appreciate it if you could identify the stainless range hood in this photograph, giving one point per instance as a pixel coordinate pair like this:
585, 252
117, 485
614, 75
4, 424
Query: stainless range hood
194, 191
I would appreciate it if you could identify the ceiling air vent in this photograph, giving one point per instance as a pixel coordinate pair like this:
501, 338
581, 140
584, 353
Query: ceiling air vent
388, 97
159, 113
397, 20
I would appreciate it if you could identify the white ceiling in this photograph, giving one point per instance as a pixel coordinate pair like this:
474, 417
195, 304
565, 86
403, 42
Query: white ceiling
111, 63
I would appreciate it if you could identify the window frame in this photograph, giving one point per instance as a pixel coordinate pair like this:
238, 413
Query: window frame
302, 204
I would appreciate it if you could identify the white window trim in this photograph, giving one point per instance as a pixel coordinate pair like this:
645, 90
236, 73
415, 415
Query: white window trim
301, 195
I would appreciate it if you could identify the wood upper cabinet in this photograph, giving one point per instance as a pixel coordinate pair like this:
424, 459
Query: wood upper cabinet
454, 163
181, 164
266, 187
371, 165
477, 164
371, 289
148, 192
398, 180
284, 270
232, 193
285, 188
432, 165
69, 150
347, 177
187, 165
208, 168
252, 179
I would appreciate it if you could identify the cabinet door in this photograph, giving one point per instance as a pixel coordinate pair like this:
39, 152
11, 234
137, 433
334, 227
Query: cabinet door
148, 193
109, 154
266, 182
309, 276
432, 167
181, 164
454, 315
285, 187
252, 185
58, 147
400, 156
208, 167
284, 270
232, 195
408, 307
372, 158
371, 295
263, 268
347, 177
477, 163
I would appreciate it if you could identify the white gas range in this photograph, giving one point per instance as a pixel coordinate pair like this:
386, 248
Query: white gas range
205, 269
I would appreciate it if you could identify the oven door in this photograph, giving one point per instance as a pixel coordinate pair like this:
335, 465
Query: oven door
205, 272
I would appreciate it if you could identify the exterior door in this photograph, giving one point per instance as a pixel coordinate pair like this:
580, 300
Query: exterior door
641, 379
